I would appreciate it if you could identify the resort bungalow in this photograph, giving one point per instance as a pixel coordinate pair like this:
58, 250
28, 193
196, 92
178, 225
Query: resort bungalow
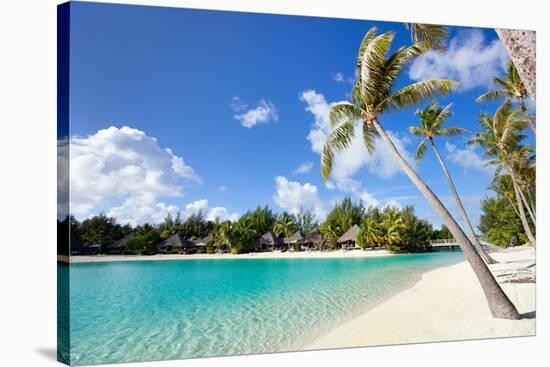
313, 239
347, 240
119, 246
268, 242
295, 241
176, 244
91, 249
204, 241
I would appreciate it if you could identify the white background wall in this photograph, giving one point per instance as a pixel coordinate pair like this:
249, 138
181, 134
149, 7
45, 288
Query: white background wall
28, 181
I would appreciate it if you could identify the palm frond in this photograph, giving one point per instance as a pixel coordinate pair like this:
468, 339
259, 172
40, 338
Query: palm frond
339, 139
435, 35
450, 131
371, 62
416, 92
421, 150
343, 112
492, 95
369, 135
417, 131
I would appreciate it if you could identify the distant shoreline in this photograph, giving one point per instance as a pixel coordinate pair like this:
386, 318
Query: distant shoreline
253, 255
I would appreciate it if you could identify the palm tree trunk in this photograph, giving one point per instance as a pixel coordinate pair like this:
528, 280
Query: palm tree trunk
522, 216
513, 205
499, 304
527, 116
528, 207
521, 46
488, 259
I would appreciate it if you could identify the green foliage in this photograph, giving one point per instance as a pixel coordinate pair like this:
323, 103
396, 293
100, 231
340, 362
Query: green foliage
442, 234
500, 224
341, 218
305, 221
147, 243
285, 225
100, 229
369, 234
262, 219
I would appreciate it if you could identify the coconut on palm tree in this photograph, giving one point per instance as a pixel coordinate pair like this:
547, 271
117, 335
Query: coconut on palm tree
510, 88
374, 93
501, 140
432, 121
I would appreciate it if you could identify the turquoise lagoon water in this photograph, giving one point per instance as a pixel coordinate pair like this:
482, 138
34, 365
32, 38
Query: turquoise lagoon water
151, 310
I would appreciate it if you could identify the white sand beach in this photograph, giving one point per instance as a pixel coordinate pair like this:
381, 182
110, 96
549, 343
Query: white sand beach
446, 304
252, 255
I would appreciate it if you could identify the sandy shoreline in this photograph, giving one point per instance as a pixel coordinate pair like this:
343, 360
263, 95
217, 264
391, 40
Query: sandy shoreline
253, 255
446, 304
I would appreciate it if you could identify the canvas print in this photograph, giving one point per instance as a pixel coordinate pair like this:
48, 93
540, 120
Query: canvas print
234, 183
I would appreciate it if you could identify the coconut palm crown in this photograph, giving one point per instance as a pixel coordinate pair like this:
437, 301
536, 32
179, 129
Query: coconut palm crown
434, 35
509, 88
374, 93
432, 119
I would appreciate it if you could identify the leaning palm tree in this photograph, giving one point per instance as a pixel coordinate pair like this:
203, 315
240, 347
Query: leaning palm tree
432, 120
511, 87
501, 139
374, 93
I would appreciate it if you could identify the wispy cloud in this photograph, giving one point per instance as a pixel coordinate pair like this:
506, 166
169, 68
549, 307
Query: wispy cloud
222, 188
467, 158
339, 77
303, 168
469, 59
261, 113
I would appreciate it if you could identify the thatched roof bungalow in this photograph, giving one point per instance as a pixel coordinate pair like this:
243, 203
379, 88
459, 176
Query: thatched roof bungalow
268, 242
119, 246
347, 240
313, 239
176, 243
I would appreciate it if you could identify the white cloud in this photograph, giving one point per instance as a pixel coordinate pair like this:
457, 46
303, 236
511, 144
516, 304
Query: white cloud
127, 170
303, 168
214, 213
340, 78
264, 112
368, 199
467, 158
469, 59
349, 161
294, 196
222, 188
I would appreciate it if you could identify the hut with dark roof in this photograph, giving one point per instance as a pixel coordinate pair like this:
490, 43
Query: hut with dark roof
268, 242
176, 244
347, 240
119, 246
203, 242
294, 241
313, 239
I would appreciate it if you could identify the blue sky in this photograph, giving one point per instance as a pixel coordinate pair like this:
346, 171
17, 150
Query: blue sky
240, 101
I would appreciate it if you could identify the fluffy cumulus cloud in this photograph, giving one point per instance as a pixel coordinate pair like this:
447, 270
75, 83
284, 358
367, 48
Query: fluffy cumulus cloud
249, 117
469, 59
467, 158
214, 213
126, 170
349, 161
294, 196
303, 168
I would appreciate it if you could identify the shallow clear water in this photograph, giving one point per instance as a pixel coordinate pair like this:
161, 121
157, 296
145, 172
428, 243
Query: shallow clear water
151, 310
